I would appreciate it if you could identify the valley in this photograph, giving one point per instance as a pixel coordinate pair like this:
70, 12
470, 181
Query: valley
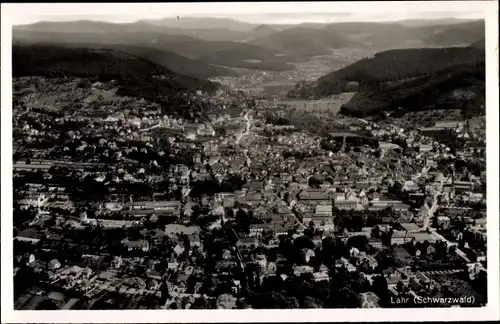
211, 163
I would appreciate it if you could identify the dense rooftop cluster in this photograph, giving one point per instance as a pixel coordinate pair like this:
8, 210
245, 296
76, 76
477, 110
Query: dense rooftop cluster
119, 205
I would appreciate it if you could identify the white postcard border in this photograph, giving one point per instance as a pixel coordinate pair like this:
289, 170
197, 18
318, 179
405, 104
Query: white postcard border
490, 312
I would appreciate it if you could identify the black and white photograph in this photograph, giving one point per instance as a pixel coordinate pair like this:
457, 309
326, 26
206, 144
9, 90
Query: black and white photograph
249, 157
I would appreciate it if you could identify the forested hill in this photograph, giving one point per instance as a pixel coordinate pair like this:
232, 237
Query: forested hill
397, 65
226, 53
457, 87
136, 76
170, 60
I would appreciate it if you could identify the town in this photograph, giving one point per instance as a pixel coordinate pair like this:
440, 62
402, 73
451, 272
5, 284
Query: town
119, 206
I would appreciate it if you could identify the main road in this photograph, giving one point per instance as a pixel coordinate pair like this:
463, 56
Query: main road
247, 128
430, 214
434, 206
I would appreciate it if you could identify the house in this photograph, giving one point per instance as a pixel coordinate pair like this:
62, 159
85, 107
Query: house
401, 254
247, 242
385, 146
173, 264
423, 236
306, 255
343, 262
157, 205
282, 228
364, 232
112, 206
206, 132
321, 276
367, 260
256, 230
462, 186
193, 232
54, 265
138, 213
315, 196
431, 131
323, 215
301, 269
410, 227
271, 268
228, 201
378, 204
253, 186
226, 266
36, 200
323, 211
193, 128
29, 258
449, 124
348, 204
400, 237
376, 243
410, 186
307, 217
29, 235
400, 207
142, 245
179, 249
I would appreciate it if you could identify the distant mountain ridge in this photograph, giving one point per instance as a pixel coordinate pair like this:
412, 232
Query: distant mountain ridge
228, 42
227, 53
262, 30
464, 34
302, 41
224, 29
94, 27
202, 23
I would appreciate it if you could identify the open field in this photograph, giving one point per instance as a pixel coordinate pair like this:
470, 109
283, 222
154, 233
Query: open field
333, 104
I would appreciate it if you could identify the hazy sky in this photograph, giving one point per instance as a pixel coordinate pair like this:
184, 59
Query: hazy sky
262, 12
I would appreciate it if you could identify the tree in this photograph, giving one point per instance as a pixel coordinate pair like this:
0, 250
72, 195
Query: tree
310, 302
229, 212
268, 300
244, 220
379, 287
328, 250
345, 298
396, 189
358, 241
303, 242
358, 283
242, 304
349, 298
375, 232
314, 182
272, 283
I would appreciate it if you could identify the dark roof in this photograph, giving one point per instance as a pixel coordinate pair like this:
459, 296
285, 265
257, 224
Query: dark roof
313, 195
401, 252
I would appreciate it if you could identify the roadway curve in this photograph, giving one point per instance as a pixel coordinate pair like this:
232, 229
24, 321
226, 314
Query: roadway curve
247, 128
434, 206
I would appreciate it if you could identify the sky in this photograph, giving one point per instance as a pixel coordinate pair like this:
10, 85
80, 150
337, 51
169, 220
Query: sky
262, 12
